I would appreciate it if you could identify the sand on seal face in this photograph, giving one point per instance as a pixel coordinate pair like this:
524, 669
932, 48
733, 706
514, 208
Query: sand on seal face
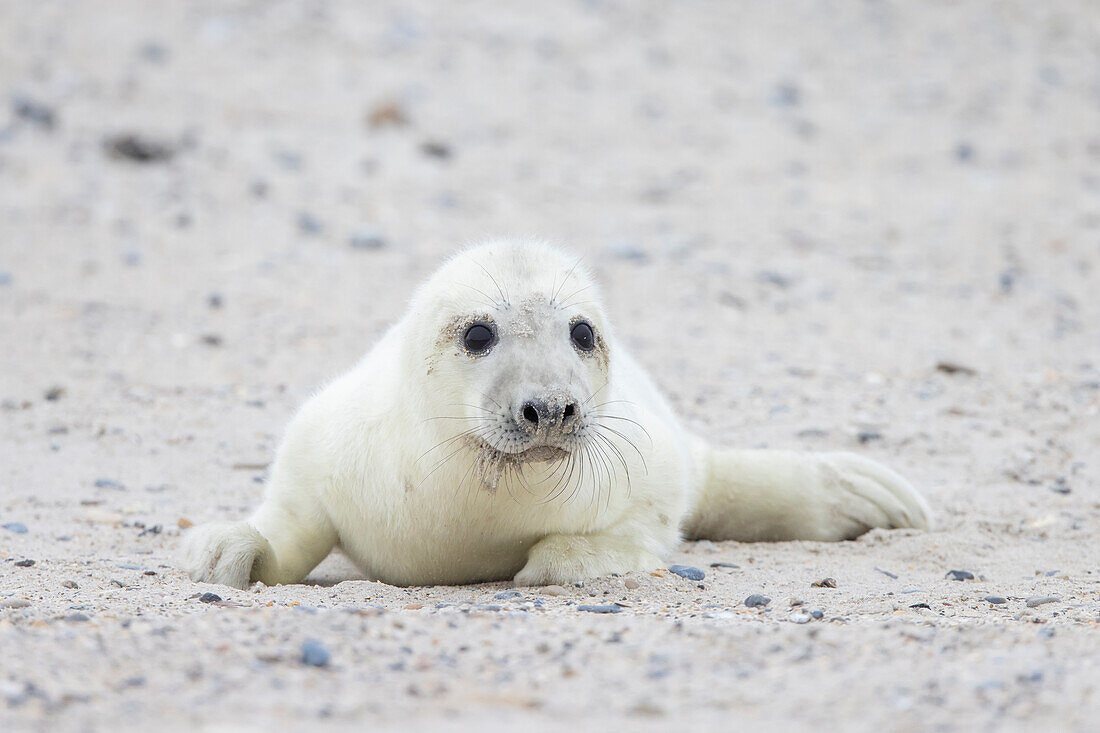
804, 218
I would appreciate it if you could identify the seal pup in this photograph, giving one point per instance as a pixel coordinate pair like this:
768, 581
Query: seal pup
500, 431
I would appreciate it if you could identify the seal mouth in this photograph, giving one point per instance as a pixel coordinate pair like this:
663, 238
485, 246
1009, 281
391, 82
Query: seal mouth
534, 454
539, 454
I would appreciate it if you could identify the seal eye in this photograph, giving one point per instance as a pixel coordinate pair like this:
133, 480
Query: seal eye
478, 338
583, 337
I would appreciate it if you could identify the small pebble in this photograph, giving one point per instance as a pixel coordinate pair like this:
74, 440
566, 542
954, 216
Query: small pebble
555, 590
632, 583
34, 112
24, 563
435, 149
687, 571
818, 614
209, 598
610, 608
724, 565
866, 436
964, 152
960, 575
757, 601
506, 594
153, 52
626, 250
69, 584
387, 114
948, 367
309, 224
798, 617
1040, 600
54, 393
824, 583
996, 600
137, 149
367, 239
15, 527
77, 617
921, 605
106, 483
315, 654
771, 277
15, 603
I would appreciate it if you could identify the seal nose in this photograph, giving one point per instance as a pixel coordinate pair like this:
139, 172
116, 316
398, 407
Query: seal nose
547, 414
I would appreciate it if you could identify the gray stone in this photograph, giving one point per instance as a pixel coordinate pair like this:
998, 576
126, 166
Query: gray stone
314, 654
609, 608
687, 571
757, 601
367, 238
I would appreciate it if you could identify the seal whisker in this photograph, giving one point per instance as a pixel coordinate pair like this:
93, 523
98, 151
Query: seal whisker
491, 400
641, 427
491, 301
610, 475
565, 301
500, 290
447, 441
568, 275
580, 475
618, 453
566, 476
628, 442
591, 396
601, 465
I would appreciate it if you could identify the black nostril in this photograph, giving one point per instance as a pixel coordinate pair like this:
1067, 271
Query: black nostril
569, 410
530, 414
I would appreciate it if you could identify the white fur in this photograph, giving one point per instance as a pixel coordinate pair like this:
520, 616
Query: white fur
372, 464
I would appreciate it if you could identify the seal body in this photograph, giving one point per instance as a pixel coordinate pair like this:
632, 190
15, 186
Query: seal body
499, 431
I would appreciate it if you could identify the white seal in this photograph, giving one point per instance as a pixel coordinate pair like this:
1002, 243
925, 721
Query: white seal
500, 431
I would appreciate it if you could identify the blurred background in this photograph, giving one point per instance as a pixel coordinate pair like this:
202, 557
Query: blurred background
824, 160
864, 225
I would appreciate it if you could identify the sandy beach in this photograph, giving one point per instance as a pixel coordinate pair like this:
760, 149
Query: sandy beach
864, 226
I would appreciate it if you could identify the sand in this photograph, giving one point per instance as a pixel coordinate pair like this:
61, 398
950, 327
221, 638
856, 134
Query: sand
865, 226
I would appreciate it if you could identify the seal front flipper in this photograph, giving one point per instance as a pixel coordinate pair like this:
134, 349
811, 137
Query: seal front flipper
285, 539
225, 553
769, 495
567, 559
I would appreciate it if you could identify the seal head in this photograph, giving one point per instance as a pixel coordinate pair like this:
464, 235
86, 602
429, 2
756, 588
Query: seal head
515, 348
